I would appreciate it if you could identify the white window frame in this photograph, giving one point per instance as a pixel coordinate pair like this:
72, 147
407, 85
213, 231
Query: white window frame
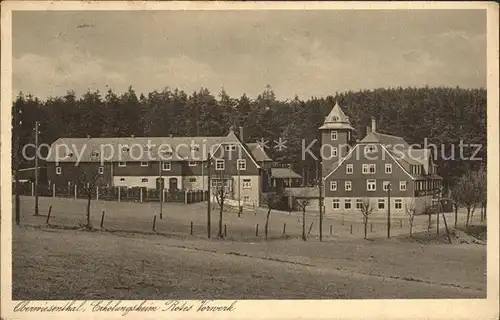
247, 184
379, 201
371, 182
144, 164
347, 201
334, 135
58, 170
359, 204
385, 185
370, 166
192, 163
403, 186
246, 199
144, 180
388, 168
366, 168
192, 179
166, 166
122, 164
346, 184
400, 202
101, 170
220, 164
370, 149
230, 147
333, 185
349, 166
241, 164
336, 201
334, 152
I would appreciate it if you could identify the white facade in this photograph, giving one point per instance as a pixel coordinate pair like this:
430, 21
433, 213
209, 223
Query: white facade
144, 181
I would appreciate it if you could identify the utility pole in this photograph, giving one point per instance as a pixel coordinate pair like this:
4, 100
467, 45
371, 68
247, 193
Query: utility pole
209, 194
160, 167
239, 187
16, 129
389, 211
36, 167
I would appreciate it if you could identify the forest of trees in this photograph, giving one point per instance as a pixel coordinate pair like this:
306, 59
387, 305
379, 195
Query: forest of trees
442, 115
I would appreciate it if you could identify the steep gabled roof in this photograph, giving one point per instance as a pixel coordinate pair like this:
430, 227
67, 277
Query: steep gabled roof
336, 119
258, 152
386, 140
284, 173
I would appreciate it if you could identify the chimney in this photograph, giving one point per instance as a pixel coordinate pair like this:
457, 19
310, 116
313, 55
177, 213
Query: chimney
374, 125
241, 134
368, 129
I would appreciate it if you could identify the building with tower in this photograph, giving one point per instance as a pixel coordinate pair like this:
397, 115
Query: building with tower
381, 170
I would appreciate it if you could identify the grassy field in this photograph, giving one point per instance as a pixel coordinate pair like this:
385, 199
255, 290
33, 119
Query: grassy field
125, 262
69, 264
177, 218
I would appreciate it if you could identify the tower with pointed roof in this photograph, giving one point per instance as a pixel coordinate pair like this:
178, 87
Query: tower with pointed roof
336, 138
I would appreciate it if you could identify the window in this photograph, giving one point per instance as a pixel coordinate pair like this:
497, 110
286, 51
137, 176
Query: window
334, 151
146, 148
371, 185
334, 135
214, 183
365, 168
122, 179
192, 163
125, 149
398, 204
333, 185
94, 154
386, 185
246, 199
349, 169
219, 164
336, 204
195, 148
347, 204
370, 149
192, 179
166, 153
166, 166
402, 185
335, 119
230, 147
144, 180
58, 170
247, 183
381, 204
101, 170
359, 204
348, 186
388, 168
122, 164
372, 168
242, 164
144, 164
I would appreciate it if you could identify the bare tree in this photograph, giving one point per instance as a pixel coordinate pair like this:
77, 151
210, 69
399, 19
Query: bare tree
481, 184
89, 180
410, 209
222, 191
469, 193
455, 199
303, 203
428, 210
366, 210
271, 200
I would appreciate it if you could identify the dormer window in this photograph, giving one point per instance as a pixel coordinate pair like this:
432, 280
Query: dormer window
94, 154
125, 149
195, 149
370, 149
335, 119
230, 147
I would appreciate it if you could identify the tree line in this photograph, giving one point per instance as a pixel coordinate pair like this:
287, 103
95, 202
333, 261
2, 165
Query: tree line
445, 116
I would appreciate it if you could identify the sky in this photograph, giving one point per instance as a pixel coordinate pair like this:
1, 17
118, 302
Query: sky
304, 53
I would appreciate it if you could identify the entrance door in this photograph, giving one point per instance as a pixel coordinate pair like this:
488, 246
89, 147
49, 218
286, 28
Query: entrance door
160, 184
172, 184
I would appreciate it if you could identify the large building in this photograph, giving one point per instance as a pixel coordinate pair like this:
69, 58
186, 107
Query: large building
176, 163
357, 172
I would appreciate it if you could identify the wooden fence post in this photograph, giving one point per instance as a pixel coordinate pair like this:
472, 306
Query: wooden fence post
48, 215
257, 230
119, 193
75, 190
284, 228
102, 218
371, 227
331, 229
351, 228
310, 228
446, 226
140, 194
400, 223
186, 197
154, 223
225, 230
32, 189
191, 228
97, 193
54, 190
